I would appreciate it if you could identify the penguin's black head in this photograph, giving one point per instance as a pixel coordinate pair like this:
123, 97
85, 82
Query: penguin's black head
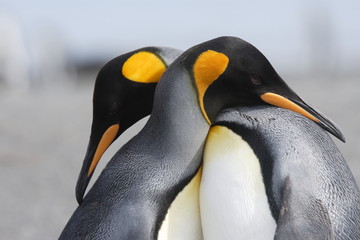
230, 72
123, 94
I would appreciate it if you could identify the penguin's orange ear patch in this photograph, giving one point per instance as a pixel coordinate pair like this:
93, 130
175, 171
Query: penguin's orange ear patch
143, 67
207, 68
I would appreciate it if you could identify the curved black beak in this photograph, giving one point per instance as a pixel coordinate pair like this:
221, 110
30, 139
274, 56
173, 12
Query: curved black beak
296, 104
94, 152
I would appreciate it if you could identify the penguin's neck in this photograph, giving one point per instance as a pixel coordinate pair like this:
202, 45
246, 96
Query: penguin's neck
176, 115
180, 128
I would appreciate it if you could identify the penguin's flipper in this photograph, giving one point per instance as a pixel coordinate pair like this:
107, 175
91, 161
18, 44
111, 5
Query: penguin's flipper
302, 217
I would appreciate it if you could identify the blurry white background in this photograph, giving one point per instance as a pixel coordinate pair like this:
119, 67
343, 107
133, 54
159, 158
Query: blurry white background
50, 53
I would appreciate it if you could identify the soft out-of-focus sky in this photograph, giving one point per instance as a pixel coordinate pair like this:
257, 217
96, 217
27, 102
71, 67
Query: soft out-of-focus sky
293, 34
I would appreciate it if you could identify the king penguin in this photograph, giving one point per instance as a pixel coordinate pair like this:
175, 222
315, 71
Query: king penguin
143, 182
270, 173
123, 94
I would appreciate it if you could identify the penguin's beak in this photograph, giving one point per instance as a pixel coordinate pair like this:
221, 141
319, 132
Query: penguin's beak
296, 104
96, 148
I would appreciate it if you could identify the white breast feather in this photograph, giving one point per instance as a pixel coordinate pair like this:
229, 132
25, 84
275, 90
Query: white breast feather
182, 221
233, 202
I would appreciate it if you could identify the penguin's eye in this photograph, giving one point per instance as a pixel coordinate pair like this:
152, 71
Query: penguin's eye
255, 80
114, 109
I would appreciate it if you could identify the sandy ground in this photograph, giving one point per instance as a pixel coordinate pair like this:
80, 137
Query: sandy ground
44, 134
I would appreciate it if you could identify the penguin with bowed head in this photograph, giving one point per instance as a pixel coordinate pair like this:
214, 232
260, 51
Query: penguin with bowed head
123, 94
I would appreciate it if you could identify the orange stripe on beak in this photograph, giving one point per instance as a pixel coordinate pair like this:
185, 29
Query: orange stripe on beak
280, 101
106, 140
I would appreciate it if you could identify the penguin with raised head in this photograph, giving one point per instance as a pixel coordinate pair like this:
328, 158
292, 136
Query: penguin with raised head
123, 94
152, 172
270, 173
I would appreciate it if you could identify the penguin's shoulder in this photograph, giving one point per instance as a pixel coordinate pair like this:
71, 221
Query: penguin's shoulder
302, 216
